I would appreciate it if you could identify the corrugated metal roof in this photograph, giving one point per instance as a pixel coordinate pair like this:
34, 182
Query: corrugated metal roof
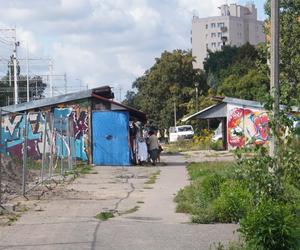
90, 93
53, 100
220, 109
215, 111
242, 102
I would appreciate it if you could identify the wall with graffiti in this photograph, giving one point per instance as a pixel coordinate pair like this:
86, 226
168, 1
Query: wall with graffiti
246, 126
61, 129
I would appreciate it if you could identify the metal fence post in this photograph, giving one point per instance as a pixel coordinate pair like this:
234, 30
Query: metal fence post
73, 145
69, 145
61, 147
1, 147
25, 155
44, 146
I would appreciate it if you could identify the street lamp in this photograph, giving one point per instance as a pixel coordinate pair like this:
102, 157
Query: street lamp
196, 88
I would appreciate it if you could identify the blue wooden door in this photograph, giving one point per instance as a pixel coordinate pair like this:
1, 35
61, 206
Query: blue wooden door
110, 138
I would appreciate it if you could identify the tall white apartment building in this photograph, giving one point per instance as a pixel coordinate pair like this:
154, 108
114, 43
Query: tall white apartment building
235, 26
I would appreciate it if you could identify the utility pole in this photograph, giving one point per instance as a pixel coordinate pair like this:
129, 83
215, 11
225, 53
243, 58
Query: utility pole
196, 86
50, 77
175, 121
27, 68
15, 70
274, 83
9, 73
66, 86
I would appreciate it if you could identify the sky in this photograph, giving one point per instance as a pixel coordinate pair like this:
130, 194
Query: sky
101, 42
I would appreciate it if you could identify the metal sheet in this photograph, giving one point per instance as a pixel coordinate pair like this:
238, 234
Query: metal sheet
110, 138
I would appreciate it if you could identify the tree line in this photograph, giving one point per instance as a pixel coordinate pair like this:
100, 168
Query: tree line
241, 72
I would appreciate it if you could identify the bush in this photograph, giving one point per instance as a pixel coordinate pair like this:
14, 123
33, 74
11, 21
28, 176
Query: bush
233, 203
271, 226
211, 185
217, 145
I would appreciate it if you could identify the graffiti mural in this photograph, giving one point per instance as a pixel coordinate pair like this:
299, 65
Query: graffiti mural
246, 126
79, 131
70, 127
13, 130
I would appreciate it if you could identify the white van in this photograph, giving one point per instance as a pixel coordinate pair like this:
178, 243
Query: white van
180, 133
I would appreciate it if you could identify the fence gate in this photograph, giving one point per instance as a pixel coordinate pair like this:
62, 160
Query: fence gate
110, 138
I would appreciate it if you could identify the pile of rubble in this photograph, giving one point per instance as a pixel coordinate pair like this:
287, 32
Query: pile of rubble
11, 177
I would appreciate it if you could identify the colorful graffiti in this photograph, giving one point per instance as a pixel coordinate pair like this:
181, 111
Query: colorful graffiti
79, 121
246, 126
70, 127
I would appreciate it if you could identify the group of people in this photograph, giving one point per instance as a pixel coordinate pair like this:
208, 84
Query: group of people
154, 148
144, 143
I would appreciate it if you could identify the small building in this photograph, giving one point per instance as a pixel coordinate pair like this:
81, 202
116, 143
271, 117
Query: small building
243, 122
96, 126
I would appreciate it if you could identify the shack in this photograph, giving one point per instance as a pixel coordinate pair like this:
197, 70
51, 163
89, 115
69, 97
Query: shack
243, 122
89, 125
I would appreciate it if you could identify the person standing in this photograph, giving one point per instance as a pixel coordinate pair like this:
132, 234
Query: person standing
153, 147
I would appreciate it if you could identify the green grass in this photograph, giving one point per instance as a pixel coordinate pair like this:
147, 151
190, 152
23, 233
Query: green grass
202, 169
153, 177
12, 218
181, 146
104, 216
190, 145
80, 169
194, 199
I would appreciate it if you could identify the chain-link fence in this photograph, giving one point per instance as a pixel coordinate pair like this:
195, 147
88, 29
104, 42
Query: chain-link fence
36, 147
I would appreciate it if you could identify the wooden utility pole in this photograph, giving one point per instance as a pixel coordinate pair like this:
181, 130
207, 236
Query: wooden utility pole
274, 83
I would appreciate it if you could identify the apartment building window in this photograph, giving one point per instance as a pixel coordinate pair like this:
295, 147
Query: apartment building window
213, 45
219, 44
207, 45
219, 34
220, 25
206, 26
213, 35
213, 25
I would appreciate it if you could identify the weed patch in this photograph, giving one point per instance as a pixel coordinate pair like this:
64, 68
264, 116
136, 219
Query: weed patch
104, 216
80, 170
152, 178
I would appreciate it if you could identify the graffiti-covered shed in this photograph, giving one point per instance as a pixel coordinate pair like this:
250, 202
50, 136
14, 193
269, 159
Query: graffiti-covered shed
88, 124
244, 122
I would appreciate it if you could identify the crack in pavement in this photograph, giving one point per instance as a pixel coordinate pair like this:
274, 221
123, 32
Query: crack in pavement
124, 198
93, 247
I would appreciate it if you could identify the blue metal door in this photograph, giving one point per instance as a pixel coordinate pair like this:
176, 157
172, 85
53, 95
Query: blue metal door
110, 138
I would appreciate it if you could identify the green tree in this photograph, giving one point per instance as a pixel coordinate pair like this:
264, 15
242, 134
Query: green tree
289, 48
36, 87
250, 86
170, 80
225, 68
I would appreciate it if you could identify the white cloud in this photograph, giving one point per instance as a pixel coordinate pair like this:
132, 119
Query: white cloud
130, 65
104, 41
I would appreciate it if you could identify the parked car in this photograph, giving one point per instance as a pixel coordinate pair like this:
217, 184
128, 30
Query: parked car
183, 132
